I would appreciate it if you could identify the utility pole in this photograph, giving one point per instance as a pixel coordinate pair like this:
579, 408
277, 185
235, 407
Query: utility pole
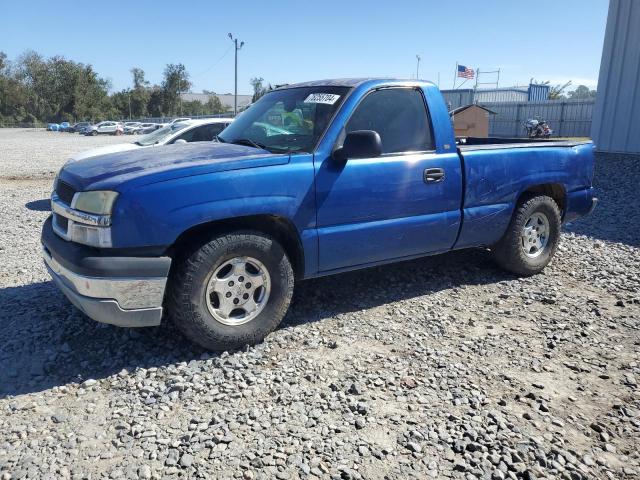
418, 67
235, 92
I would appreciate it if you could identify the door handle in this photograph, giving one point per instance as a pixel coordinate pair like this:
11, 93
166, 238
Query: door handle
433, 175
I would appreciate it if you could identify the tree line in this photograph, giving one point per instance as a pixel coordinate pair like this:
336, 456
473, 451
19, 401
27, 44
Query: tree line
35, 89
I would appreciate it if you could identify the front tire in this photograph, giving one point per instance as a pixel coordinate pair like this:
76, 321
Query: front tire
532, 237
232, 291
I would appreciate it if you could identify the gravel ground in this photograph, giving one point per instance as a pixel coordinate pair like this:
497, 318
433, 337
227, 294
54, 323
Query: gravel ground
437, 368
29, 153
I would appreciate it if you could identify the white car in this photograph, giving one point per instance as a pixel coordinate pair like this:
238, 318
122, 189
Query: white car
132, 128
176, 120
108, 127
149, 127
204, 130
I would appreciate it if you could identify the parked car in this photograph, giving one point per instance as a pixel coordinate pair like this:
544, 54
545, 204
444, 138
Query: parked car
372, 175
132, 128
52, 127
78, 127
179, 119
149, 127
64, 126
107, 127
188, 131
85, 129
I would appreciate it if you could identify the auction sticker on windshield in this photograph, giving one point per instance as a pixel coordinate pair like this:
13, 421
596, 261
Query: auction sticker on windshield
327, 98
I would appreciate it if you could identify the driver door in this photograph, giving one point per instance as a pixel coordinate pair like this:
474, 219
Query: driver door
372, 210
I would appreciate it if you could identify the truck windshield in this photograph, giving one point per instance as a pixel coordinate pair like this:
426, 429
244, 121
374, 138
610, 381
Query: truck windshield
288, 120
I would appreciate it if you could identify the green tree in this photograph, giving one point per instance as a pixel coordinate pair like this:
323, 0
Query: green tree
193, 107
119, 105
156, 102
175, 82
13, 96
91, 99
34, 88
556, 92
582, 92
214, 105
258, 88
140, 94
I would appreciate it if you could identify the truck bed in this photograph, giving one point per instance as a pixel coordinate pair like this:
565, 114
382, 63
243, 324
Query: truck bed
489, 143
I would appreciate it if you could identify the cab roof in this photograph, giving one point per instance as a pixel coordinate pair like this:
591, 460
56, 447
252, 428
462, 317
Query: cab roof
350, 82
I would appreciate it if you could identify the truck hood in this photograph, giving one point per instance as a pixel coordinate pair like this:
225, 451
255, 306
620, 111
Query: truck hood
107, 149
149, 165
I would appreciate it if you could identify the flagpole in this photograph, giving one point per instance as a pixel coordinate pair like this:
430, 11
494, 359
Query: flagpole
455, 72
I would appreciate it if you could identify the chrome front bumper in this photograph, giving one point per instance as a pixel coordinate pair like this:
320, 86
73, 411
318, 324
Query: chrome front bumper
122, 301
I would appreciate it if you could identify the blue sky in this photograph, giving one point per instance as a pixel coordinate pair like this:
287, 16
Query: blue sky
291, 41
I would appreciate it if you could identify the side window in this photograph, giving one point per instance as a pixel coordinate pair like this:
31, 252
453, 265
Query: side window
399, 115
214, 129
203, 133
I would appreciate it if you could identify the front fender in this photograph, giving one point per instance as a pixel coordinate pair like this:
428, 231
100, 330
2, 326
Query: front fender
194, 215
156, 214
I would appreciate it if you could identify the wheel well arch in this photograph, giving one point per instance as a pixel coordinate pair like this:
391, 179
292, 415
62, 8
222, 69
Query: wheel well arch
279, 227
557, 191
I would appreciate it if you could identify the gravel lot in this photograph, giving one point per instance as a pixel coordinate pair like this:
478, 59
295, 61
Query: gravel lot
437, 368
31, 153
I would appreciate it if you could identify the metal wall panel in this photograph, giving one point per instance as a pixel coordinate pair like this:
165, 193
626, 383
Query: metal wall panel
616, 117
538, 93
460, 97
569, 118
457, 98
501, 95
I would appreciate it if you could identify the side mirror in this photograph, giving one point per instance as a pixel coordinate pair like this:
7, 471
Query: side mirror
360, 144
179, 141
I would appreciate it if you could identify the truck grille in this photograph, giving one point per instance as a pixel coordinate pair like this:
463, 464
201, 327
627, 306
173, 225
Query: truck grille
65, 192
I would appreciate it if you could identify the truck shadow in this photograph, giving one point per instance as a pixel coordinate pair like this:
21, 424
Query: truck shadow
615, 218
43, 205
49, 343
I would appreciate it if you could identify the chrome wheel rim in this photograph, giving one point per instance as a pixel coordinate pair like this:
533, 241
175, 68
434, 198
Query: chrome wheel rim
238, 290
535, 235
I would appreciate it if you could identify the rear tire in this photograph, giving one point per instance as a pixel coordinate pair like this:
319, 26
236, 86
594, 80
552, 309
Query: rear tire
197, 305
532, 237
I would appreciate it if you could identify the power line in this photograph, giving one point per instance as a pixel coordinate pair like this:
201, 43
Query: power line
214, 64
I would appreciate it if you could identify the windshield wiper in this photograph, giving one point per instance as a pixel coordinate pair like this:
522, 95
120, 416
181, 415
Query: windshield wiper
249, 142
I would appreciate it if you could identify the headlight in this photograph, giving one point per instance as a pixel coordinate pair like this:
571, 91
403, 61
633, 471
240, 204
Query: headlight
98, 202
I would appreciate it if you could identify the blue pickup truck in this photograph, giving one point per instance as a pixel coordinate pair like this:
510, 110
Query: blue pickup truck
314, 179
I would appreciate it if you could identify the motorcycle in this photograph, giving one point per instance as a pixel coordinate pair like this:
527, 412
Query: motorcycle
537, 128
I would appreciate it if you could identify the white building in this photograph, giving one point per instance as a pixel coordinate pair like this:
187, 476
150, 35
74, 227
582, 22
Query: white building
226, 99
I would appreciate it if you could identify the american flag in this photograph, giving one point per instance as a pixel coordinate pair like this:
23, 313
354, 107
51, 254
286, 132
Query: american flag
465, 72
